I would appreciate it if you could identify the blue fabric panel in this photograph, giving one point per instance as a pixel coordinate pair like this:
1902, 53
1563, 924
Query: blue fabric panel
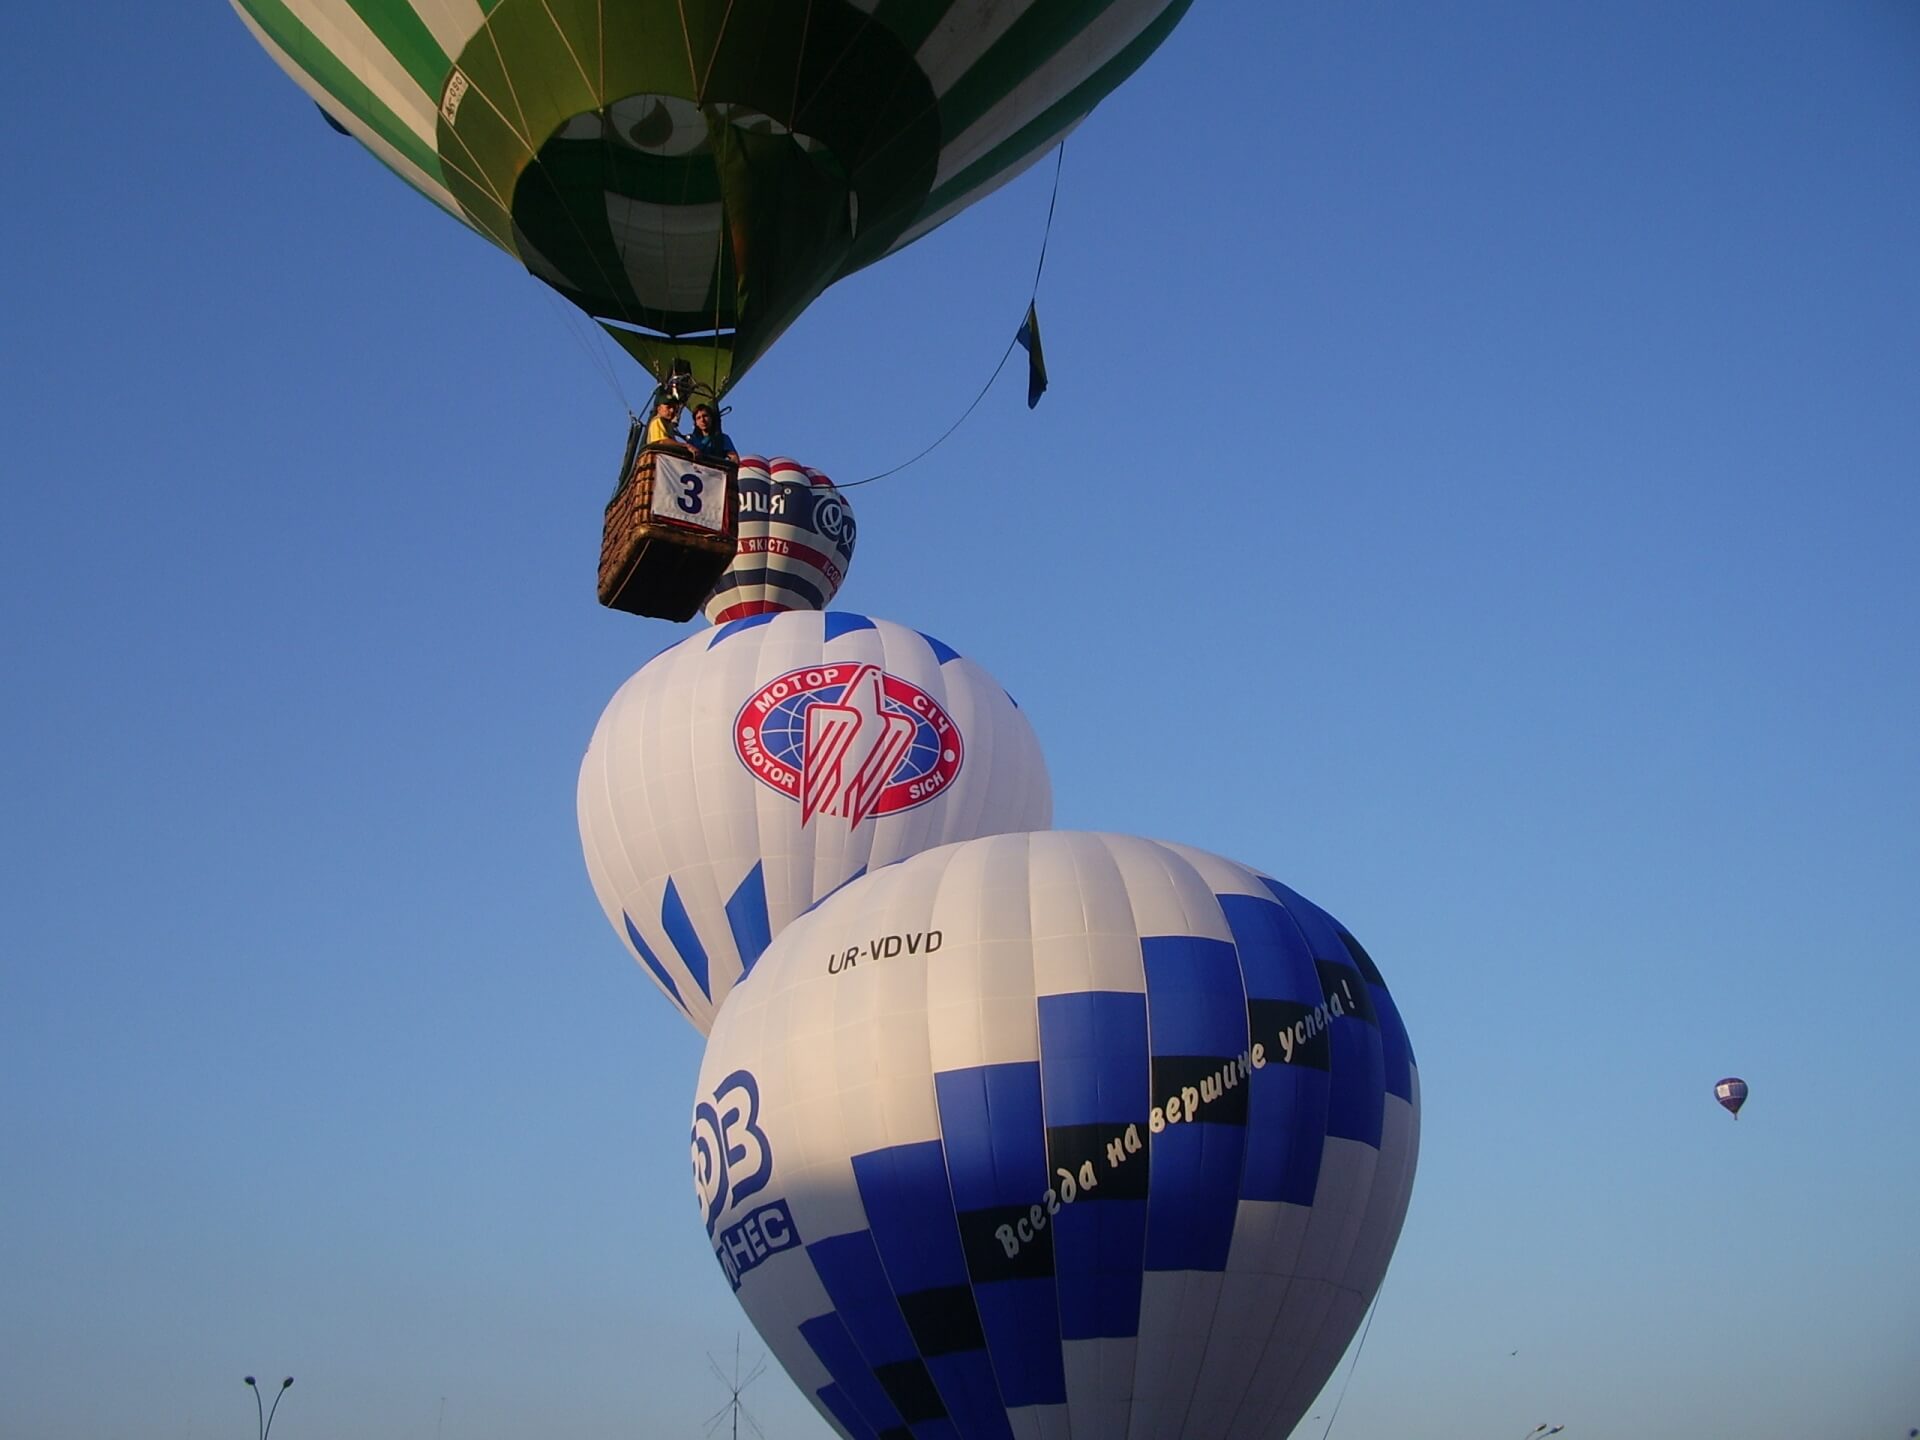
1096, 1070
1194, 1196
747, 917
968, 1386
831, 1342
1093, 1057
1321, 929
849, 1267
808, 595
1098, 1246
910, 1211
1196, 1003
942, 651
1357, 1103
845, 622
996, 1146
941, 1429
652, 961
734, 627
679, 927
842, 1409
1396, 1051
1023, 1337
1286, 1132
1275, 960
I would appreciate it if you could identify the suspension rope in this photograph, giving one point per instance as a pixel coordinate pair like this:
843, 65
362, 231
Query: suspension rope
1365, 1330
1060, 155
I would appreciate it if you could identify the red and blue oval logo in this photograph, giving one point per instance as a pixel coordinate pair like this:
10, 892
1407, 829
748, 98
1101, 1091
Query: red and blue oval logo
848, 740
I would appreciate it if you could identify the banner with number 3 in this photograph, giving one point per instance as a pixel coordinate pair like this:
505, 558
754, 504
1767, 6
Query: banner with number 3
689, 492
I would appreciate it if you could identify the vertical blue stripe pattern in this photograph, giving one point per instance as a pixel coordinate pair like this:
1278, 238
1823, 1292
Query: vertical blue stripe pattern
652, 961
1097, 1080
991, 1121
1286, 1103
747, 917
1196, 1029
834, 1347
684, 938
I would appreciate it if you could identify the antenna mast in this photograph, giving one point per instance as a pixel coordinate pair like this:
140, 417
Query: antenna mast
735, 1408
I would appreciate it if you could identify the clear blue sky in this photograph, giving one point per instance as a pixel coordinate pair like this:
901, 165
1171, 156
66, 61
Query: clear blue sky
1478, 486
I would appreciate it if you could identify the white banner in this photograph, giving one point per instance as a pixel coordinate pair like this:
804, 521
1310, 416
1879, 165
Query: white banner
689, 492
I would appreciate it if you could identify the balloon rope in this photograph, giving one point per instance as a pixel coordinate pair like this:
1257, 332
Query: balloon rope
1060, 154
586, 337
1372, 1310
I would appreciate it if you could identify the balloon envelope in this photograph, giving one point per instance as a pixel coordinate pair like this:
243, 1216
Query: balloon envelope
796, 542
752, 769
1732, 1094
706, 167
1058, 1135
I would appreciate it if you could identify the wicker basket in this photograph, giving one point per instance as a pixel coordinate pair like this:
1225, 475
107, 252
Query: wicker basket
653, 564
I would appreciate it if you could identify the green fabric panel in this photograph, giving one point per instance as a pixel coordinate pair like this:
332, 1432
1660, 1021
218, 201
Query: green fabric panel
1059, 117
407, 38
711, 359
911, 21
1029, 43
338, 80
789, 234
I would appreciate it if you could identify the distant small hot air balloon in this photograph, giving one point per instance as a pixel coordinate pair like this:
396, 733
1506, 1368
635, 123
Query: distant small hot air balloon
796, 541
1732, 1094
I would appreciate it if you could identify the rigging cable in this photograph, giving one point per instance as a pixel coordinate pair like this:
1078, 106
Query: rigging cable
1060, 154
1372, 1310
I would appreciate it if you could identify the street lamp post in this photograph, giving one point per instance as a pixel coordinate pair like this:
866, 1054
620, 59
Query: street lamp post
266, 1415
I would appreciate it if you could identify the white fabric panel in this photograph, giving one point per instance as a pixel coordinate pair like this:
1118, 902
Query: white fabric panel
980, 1007
963, 35
1165, 894
670, 251
1083, 933
338, 27
1111, 31
1267, 1236
395, 161
1100, 1385
1176, 1326
452, 22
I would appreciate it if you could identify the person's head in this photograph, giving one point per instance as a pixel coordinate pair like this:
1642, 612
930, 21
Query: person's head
705, 418
668, 408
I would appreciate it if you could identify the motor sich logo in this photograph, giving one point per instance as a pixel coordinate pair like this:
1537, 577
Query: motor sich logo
732, 1162
848, 740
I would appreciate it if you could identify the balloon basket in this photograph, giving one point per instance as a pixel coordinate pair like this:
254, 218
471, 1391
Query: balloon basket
671, 531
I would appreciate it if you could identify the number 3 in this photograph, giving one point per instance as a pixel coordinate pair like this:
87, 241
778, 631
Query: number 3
690, 501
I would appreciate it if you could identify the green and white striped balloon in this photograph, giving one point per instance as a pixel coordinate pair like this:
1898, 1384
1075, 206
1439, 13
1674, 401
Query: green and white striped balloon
703, 169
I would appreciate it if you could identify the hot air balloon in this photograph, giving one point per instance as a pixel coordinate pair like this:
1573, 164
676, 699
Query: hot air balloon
694, 173
1058, 1135
796, 541
752, 769
1732, 1094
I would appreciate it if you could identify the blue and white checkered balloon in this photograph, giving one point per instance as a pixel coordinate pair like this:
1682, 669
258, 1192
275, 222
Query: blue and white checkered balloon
1058, 1134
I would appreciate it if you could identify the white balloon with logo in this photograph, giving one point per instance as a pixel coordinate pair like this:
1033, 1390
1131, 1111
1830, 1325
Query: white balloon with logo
751, 770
